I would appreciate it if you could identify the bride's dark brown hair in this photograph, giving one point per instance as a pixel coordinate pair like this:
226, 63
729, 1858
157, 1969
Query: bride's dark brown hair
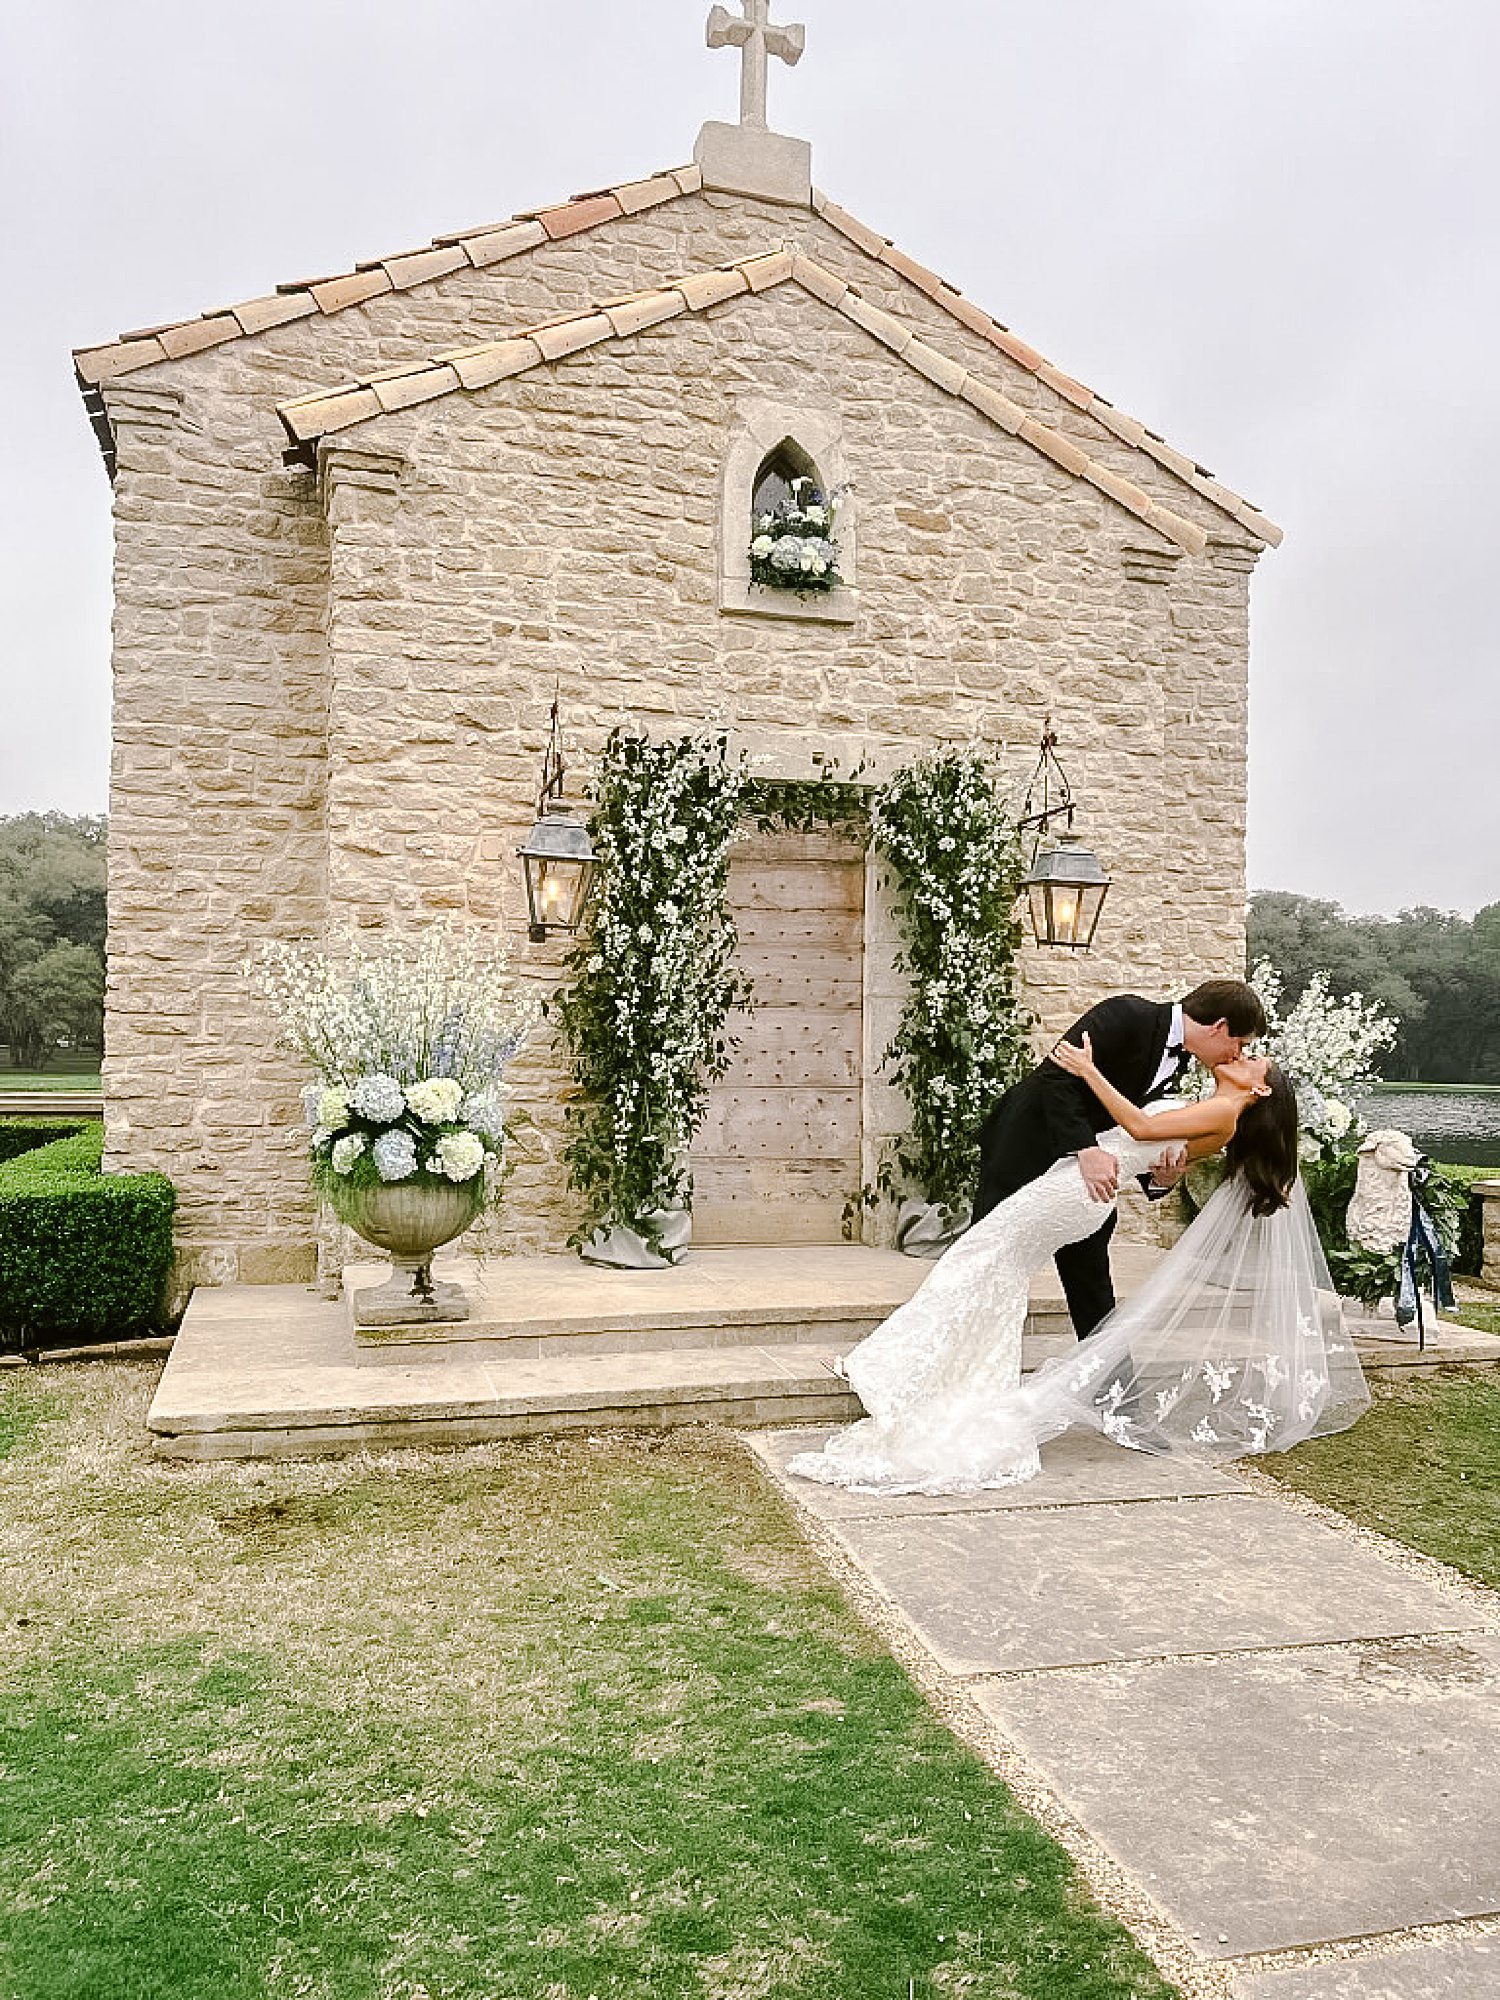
1263, 1151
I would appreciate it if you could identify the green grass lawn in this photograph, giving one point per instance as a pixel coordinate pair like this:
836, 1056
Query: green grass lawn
540, 1721
1423, 1466
50, 1079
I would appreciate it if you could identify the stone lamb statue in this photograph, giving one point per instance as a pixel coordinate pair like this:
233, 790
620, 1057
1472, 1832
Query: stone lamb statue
1380, 1208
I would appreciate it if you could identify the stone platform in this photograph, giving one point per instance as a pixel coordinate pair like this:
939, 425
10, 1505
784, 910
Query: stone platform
745, 1336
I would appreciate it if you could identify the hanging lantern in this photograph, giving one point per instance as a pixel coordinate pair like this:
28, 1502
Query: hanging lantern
558, 858
1066, 883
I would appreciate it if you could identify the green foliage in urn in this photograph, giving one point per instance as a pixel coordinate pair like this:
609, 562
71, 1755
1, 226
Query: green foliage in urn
956, 853
653, 977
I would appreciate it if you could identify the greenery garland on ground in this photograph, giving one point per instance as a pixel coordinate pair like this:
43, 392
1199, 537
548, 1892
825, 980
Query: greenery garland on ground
956, 854
653, 978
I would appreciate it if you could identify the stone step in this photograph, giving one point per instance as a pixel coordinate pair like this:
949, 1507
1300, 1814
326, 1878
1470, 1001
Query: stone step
551, 1307
468, 1404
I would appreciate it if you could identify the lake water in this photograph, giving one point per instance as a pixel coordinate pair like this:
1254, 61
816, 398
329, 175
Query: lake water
1459, 1125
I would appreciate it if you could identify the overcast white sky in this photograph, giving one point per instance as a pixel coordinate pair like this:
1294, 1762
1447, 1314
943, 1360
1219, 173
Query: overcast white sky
1269, 231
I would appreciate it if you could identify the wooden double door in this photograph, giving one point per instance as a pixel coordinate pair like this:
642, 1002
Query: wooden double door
779, 1153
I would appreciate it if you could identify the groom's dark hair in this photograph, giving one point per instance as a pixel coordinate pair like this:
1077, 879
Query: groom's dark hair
1231, 1001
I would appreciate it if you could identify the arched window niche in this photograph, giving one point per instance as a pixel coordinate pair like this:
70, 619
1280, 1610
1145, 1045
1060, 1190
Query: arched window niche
775, 444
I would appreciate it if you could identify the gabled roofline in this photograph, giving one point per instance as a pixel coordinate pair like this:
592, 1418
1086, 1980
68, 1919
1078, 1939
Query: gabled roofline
471, 249
310, 419
1128, 429
494, 243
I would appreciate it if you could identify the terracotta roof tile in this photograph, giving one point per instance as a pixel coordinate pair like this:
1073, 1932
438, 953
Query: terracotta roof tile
887, 329
493, 246
575, 215
850, 226
333, 294
566, 336
1064, 451
255, 315
702, 289
145, 347
937, 367
308, 418
417, 385
333, 408
420, 267
1127, 429
820, 282
645, 309
1065, 386
770, 267
97, 364
195, 334
963, 310
908, 267
492, 361
636, 195
994, 404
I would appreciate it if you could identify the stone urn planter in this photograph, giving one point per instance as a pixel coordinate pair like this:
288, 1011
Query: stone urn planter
409, 1221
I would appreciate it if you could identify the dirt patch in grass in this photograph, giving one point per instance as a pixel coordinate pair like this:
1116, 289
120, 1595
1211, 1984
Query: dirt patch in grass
1423, 1467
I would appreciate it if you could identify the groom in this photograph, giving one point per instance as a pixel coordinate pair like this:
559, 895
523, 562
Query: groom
1142, 1046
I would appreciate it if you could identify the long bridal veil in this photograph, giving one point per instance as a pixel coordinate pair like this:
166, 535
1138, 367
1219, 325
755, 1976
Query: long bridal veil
1235, 1344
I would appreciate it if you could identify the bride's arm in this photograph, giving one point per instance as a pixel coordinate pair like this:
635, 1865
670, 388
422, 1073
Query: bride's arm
1211, 1118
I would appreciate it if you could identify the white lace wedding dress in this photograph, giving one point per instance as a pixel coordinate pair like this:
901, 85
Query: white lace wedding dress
1235, 1344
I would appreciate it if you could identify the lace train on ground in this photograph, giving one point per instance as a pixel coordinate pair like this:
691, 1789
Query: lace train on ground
1235, 1344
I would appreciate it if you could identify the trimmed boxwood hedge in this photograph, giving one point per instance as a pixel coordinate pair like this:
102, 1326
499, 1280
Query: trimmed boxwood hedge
25, 1135
81, 1251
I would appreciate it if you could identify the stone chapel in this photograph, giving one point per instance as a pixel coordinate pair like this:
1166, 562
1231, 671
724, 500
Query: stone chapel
367, 523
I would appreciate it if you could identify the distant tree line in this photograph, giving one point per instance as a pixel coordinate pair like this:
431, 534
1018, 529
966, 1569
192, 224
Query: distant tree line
52, 920
1438, 974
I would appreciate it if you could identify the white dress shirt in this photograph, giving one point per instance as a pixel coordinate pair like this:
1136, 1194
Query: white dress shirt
1167, 1068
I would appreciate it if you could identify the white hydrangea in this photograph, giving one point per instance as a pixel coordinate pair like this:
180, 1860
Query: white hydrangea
459, 1156
436, 1099
347, 1150
378, 1097
762, 546
786, 552
333, 1109
484, 1112
395, 1156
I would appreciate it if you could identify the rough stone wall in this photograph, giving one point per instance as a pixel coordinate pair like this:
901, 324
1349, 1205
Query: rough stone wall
562, 527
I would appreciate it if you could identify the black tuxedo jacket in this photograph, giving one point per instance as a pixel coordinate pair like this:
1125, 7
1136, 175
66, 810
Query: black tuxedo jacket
1050, 1114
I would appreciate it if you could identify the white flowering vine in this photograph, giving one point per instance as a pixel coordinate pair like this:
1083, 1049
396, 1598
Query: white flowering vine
653, 976
955, 850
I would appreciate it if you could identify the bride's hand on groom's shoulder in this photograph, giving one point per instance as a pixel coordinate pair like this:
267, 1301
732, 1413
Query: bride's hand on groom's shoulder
1076, 1061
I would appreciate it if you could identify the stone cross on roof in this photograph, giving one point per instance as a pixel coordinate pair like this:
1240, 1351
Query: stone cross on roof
753, 35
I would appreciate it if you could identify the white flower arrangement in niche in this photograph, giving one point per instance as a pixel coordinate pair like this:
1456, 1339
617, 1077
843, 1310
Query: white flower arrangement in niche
410, 1042
794, 547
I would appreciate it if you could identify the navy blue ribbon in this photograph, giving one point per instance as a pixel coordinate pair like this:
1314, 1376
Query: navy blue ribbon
1423, 1245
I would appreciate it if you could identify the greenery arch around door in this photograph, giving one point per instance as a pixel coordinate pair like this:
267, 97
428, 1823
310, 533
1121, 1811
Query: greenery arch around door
653, 978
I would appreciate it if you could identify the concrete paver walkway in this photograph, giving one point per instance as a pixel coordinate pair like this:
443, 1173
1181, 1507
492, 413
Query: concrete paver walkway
1288, 1738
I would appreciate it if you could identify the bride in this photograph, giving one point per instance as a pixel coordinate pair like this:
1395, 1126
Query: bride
1235, 1344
